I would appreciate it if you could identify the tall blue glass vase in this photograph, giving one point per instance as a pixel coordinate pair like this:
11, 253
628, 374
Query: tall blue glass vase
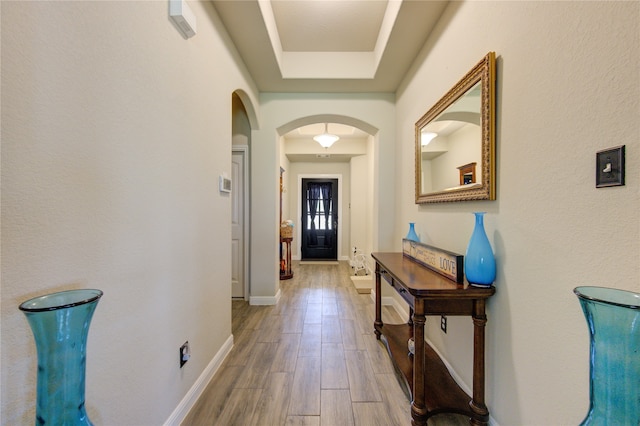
613, 318
411, 235
60, 324
479, 261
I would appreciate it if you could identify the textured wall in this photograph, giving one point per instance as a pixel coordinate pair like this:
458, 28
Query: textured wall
114, 132
568, 85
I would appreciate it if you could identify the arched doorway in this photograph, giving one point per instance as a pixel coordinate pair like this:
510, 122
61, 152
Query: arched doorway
347, 220
241, 126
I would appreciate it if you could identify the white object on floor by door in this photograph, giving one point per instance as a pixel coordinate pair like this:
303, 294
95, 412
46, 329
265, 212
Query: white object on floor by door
359, 262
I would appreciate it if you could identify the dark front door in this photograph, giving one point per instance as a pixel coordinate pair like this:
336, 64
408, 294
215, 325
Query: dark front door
319, 219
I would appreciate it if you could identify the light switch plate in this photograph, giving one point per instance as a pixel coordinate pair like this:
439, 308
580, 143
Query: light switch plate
610, 167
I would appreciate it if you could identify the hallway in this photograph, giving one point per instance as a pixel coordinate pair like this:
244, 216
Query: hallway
311, 360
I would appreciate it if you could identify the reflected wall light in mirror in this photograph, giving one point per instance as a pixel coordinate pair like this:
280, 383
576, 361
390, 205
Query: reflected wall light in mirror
458, 135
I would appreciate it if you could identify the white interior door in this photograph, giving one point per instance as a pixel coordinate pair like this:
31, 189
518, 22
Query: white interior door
238, 257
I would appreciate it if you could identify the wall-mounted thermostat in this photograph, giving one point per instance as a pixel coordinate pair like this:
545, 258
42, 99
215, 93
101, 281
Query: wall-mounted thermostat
224, 184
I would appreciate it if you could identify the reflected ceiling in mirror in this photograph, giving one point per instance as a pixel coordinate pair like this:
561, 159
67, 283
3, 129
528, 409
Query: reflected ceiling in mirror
455, 141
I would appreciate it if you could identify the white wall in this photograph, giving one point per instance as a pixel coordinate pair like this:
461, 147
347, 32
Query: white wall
462, 149
114, 131
360, 205
279, 110
240, 124
568, 85
288, 189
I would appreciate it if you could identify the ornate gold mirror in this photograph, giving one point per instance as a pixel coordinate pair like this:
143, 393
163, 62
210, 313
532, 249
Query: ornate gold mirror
455, 141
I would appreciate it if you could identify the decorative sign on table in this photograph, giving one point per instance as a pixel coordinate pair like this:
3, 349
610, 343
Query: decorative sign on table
441, 261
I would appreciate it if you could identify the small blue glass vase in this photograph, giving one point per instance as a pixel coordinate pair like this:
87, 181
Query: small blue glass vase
479, 261
613, 319
411, 235
60, 324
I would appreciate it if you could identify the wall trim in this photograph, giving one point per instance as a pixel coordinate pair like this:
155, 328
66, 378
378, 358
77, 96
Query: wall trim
399, 307
265, 300
244, 150
200, 385
341, 258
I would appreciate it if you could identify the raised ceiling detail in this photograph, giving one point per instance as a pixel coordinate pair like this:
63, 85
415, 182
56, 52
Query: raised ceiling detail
328, 26
328, 45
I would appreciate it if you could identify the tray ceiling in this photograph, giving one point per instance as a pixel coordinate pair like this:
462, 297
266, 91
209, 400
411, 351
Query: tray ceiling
328, 45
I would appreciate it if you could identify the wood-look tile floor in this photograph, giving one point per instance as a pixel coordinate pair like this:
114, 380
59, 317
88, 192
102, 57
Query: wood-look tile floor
312, 359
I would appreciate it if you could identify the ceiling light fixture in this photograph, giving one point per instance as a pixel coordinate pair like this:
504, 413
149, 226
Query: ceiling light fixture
326, 139
427, 137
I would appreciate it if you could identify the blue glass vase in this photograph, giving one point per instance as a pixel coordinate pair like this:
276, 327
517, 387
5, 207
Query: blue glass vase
613, 318
60, 324
479, 261
411, 235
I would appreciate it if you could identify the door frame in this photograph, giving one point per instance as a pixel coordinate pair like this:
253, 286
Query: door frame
298, 255
244, 151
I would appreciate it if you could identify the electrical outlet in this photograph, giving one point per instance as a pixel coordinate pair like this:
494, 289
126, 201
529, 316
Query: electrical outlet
443, 323
185, 353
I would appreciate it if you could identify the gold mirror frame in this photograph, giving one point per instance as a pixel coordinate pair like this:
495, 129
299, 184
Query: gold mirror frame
483, 72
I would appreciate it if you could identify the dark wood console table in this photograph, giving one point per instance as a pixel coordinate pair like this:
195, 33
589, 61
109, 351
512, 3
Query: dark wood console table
433, 390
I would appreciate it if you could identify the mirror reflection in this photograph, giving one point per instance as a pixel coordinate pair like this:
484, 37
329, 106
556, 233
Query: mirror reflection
450, 143
455, 141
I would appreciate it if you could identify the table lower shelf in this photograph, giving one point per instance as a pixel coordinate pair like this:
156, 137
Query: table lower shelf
442, 393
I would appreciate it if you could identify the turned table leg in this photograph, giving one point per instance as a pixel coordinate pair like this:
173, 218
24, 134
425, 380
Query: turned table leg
477, 403
378, 322
418, 406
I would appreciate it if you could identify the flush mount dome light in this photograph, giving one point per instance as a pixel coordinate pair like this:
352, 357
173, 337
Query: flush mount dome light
326, 139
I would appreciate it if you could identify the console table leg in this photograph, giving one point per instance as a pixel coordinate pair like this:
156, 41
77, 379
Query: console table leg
475, 422
378, 321
477, 404
417, 419
418, 406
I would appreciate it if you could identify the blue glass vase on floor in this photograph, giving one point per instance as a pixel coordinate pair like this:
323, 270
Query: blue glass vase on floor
60, 324
479, 261
613, 319
411, 235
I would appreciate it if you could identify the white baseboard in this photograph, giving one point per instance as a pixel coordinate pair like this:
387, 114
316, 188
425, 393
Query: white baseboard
297, 257
200, 385
264, 300
400, 308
